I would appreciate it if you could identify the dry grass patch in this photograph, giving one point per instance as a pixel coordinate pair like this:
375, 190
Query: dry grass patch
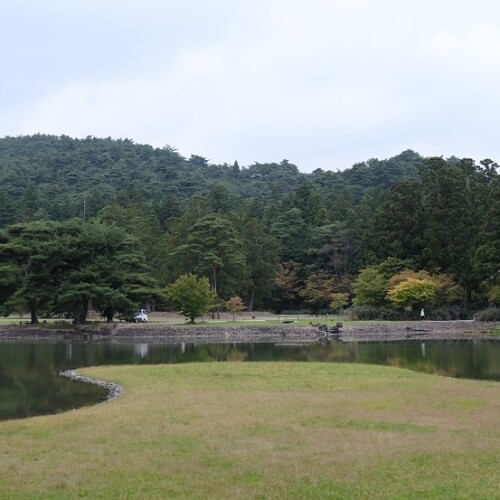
263, 430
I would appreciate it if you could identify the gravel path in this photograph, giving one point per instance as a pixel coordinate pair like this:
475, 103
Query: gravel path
354, 332
425, 330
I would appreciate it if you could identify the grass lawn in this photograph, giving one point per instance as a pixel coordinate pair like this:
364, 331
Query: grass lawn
263, 430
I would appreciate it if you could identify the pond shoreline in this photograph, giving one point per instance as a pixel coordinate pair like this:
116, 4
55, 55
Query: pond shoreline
114, 390
354, 332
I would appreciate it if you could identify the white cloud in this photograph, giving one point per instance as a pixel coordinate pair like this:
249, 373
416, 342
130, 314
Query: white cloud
320, 83
443, 43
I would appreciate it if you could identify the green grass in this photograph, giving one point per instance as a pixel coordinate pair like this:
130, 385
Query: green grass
229, 323
263, 430
222, 323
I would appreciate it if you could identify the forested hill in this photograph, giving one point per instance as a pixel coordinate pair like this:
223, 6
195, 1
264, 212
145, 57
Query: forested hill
56, 177
278, 238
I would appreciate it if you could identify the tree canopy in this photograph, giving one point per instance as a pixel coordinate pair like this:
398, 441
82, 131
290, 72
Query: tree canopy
191, 296
278, 238
66, 267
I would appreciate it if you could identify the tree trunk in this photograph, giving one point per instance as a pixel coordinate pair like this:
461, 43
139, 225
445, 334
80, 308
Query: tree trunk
251, 299
467, 297
82, 315
33, 312
214, 290
109, 314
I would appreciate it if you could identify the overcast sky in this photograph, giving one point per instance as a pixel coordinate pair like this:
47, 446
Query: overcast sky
321, 83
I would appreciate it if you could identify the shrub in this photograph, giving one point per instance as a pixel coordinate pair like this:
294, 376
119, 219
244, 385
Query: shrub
447, 313
491, 314
395, 315
442, 313
364, 313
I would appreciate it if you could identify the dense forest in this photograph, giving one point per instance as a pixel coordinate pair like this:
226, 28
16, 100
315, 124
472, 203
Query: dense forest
383, 238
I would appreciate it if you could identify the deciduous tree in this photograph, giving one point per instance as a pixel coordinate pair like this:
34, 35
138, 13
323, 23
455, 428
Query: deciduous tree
413, 292
191, 295
235, 305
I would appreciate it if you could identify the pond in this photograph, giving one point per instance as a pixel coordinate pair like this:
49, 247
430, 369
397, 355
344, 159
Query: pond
30, 385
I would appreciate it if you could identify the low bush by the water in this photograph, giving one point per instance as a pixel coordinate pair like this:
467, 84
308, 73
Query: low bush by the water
364, 313
372, 313
448, 313
441, 313
492, 314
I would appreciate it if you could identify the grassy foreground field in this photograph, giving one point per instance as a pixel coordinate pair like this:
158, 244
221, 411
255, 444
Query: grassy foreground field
263, 430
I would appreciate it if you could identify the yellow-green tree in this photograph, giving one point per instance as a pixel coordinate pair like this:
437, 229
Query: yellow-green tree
191, 295
413, 292
447, 290
338, 301
494, 294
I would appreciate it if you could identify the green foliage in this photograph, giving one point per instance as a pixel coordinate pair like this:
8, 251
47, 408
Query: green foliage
28, 277
413, 292
370, 288
453, 197
491, 314
66, 267
318, 290
290, 229
494, 295
386, 284
261, 251
487, 257
371, 313
446, 313
448, 292
213, 249
287, 283
191, 296
338, 301
241, 226
398, 222
371, 285
104, 267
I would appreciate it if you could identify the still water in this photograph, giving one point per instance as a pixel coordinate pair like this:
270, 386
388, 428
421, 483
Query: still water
29, 384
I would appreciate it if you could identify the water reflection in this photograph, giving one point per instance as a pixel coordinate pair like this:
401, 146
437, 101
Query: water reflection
29, 385
141, 350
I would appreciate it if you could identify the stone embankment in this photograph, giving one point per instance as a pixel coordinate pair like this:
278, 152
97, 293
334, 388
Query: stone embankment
424, 330
114, 390
287, 333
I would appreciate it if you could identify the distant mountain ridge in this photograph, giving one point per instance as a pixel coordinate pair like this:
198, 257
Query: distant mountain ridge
60, 176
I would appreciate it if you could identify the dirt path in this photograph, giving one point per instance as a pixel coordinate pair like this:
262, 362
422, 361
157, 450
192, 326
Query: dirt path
354, 332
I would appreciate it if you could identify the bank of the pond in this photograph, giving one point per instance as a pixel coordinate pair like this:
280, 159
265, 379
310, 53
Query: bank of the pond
114, 390
286, 333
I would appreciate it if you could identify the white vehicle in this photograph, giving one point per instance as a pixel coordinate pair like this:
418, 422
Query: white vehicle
141, 316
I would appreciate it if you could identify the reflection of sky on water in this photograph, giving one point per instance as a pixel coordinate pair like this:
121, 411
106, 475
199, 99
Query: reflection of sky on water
141, 349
